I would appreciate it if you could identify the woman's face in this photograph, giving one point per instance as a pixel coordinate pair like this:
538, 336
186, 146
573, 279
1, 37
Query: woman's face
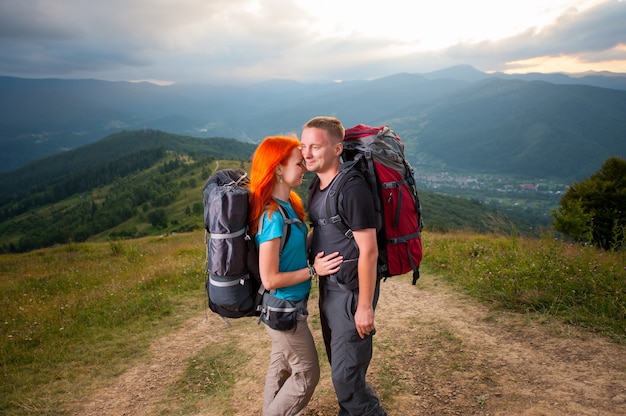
293, 170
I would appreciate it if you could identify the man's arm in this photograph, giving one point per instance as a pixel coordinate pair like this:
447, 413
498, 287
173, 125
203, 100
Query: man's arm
368, 261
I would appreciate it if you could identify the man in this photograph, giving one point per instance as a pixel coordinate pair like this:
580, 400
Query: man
347, 298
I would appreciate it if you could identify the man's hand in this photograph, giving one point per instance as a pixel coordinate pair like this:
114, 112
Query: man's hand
364, 320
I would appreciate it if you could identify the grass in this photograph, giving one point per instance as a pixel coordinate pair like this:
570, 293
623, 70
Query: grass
211, 373
577, 284
75, 316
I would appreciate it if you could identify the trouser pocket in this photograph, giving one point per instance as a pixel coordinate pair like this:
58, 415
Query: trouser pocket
348, 275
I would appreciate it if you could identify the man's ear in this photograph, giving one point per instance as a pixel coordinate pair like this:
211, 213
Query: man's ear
339, 148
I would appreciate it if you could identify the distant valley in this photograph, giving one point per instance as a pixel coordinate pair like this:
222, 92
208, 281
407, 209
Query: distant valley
457, 120
88, 160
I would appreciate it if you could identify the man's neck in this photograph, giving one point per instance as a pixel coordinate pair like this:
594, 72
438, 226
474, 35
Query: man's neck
327, 177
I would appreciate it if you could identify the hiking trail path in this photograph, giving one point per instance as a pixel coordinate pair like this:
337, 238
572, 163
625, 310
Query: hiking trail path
436, 351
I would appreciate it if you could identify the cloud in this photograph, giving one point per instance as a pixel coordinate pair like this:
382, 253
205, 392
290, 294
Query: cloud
239, 40
223, 37
591, 36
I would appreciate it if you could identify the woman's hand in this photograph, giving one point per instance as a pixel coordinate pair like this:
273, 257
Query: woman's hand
327, 264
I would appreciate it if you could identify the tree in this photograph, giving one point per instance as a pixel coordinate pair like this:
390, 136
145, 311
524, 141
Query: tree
596, 207
158, 218
572, 220
198, 208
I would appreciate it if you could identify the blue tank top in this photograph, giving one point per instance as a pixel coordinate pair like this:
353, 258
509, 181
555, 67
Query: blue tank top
293, 256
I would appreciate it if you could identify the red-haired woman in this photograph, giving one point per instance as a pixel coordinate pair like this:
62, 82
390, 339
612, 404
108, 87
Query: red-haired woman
293, 370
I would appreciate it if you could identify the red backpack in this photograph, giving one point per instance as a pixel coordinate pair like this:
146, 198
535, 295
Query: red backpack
378, 154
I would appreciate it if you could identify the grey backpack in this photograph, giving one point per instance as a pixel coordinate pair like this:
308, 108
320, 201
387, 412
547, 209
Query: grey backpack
232, 278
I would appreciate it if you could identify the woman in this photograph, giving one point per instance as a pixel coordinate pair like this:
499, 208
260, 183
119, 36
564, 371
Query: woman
293, 371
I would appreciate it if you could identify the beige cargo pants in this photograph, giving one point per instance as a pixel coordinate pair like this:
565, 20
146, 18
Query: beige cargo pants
293, 371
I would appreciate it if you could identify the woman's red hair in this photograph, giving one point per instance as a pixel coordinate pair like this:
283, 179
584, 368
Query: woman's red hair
269, 154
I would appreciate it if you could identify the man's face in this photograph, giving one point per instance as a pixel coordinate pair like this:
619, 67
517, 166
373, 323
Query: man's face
317, 149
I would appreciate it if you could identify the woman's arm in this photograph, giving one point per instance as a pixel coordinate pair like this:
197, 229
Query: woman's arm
272, 278
269, 261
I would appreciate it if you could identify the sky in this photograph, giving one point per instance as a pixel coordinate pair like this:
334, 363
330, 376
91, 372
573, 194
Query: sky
235, 41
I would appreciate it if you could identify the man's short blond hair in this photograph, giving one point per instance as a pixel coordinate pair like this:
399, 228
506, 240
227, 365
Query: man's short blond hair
331, 125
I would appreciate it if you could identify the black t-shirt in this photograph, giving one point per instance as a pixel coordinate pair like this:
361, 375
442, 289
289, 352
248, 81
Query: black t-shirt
357, 207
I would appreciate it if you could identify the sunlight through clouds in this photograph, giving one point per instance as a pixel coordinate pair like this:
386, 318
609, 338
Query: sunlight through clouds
434, 24
254, 40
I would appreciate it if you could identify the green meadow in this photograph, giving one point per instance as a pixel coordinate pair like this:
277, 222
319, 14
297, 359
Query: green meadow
75, 316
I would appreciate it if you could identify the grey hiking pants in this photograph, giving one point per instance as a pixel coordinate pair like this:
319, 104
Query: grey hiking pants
349, 355
293, 371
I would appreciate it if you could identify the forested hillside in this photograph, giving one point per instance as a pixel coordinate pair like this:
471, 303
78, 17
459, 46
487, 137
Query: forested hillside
129, 176
519, 128
134, 190
117, 151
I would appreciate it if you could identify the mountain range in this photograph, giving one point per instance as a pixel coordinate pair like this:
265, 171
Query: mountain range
457, 119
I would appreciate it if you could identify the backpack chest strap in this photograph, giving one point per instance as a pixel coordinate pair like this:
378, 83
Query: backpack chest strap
337, 221
325, 221
395, 184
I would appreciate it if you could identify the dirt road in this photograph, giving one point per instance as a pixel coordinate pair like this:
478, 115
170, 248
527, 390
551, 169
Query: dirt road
436, 352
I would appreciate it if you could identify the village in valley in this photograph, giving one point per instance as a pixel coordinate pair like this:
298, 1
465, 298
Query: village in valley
446, 181
531, 197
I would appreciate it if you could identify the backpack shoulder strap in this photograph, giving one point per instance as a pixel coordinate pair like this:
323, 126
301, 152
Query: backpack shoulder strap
286, 226
334, 199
